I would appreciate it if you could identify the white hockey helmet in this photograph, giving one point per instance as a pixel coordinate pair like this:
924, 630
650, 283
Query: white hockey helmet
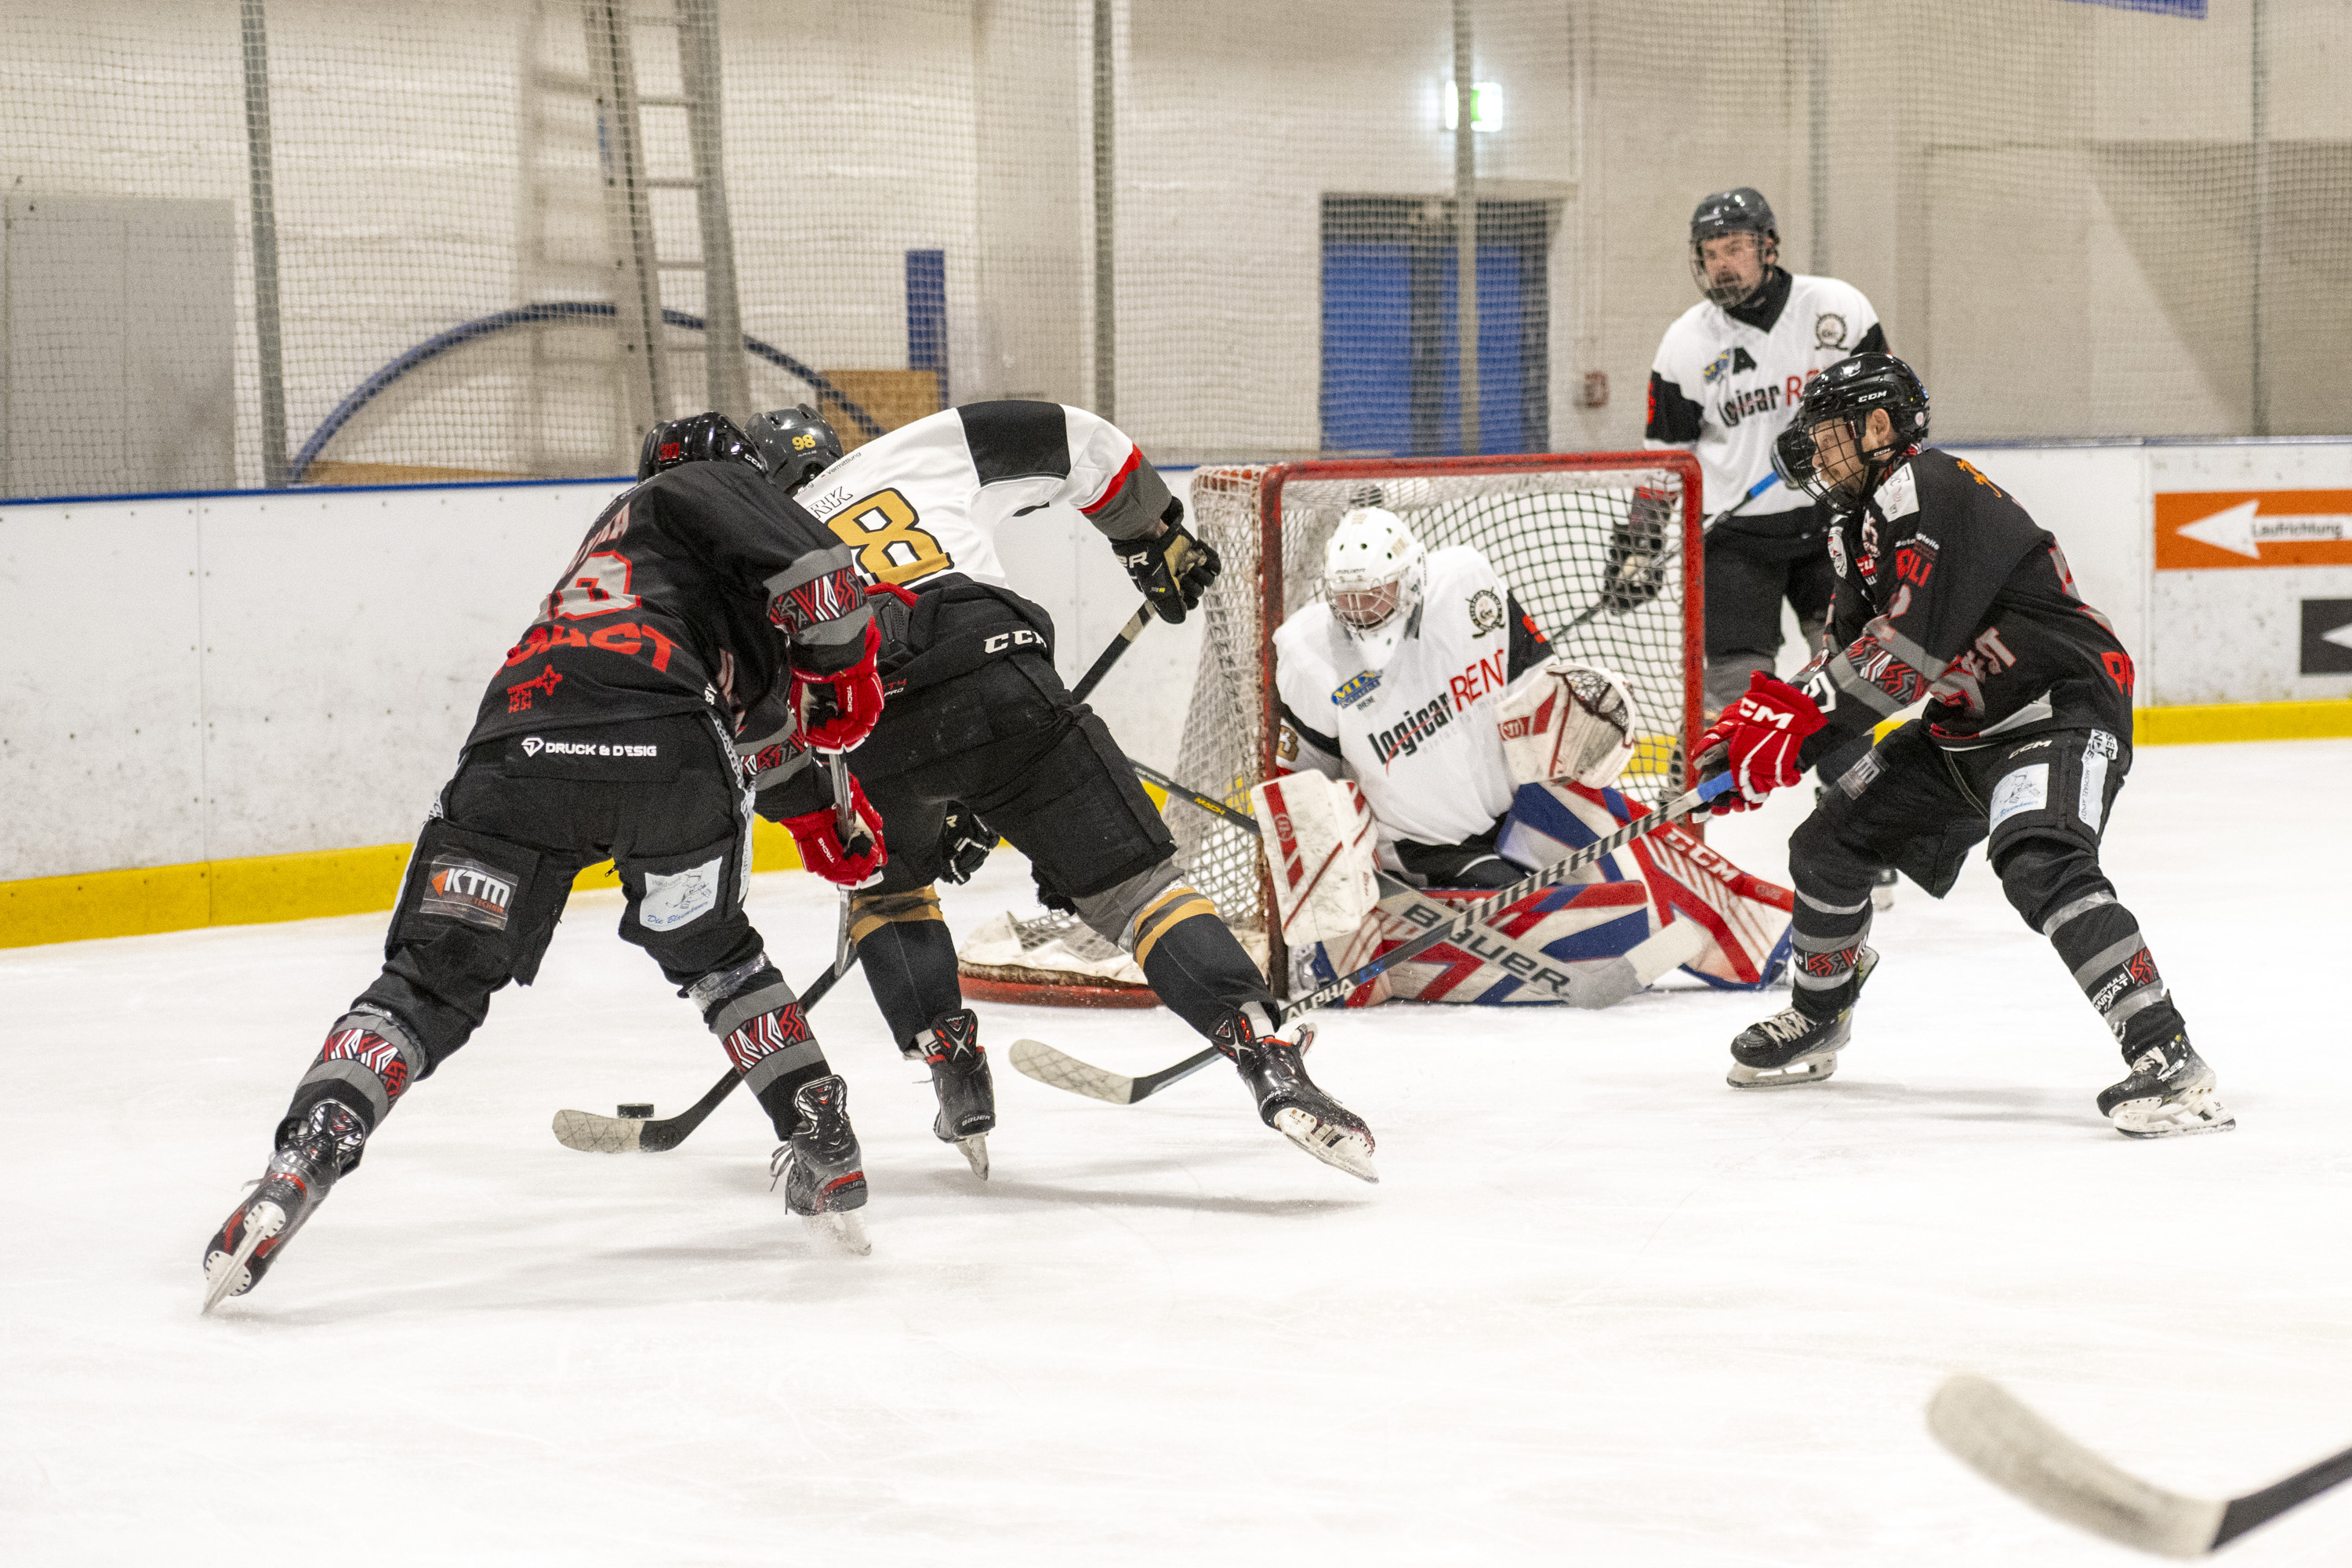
1373, 569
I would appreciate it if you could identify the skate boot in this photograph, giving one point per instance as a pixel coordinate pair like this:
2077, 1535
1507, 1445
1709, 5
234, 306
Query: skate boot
959, 1077
1792, 1048
1287, 1100
2169, 1092
311, 1155
823, 1172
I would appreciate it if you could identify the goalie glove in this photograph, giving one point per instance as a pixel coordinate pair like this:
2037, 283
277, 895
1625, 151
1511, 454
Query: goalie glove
1635, 571
1757, 739
1573, 721
1170, 569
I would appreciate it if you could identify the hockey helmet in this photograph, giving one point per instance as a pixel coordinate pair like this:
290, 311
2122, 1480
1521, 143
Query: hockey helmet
798, 443
1847, 392
697, 438
1740, 211
1373, 571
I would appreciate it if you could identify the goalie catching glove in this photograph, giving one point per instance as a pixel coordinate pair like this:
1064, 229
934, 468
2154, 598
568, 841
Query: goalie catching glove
1172, 569
1758, 740
1571, 721
858, 863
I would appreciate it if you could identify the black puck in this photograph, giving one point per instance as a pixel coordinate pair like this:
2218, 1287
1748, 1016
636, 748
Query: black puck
637, 1112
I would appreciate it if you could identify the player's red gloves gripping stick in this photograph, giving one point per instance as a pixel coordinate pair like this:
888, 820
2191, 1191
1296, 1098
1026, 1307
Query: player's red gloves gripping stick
818, 833
1759, 737
838, 711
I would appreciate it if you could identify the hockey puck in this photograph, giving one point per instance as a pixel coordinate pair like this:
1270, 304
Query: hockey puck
637, 1112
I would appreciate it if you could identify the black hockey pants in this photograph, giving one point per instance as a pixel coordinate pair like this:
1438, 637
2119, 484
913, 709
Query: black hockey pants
1912, 805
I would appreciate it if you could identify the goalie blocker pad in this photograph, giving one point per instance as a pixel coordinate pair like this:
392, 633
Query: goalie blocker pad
1321, 843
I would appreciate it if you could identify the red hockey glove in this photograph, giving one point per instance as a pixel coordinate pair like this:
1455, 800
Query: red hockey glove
838, 711
1757, 739
818, 833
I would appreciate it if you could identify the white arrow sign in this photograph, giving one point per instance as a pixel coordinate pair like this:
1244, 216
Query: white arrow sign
2242, 531
2341, 636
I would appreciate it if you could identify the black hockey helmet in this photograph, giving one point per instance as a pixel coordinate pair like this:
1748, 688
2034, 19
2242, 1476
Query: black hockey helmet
798, 444
697, 438
1848, 390
1740, 211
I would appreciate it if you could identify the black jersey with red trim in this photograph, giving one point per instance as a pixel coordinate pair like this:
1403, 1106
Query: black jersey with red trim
1948, 590
694, 589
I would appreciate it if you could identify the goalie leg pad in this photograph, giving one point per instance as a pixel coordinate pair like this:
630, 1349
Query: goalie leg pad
1320, 842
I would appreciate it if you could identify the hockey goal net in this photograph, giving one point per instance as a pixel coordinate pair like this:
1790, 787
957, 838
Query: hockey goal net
1546, 523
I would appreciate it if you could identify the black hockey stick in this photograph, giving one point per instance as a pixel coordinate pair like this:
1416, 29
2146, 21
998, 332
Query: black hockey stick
1734, 509
1994, 1432
1046, 1065
1143, 616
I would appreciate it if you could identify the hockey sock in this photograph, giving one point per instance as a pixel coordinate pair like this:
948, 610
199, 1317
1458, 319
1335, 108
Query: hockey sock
2096, 937
366, 1065
1826, 939
1193, 961
910, 966
753, 1011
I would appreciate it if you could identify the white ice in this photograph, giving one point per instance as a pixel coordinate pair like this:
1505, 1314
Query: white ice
1601, 1308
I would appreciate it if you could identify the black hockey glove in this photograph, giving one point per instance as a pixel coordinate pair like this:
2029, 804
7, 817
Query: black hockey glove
1172, 571
1636, 572
964, 843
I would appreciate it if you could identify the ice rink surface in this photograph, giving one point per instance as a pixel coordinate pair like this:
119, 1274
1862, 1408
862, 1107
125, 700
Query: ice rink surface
1601, 1308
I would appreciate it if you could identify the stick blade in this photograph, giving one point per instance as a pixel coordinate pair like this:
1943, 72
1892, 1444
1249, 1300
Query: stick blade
593, 1134
1041, 1061
1990, 1430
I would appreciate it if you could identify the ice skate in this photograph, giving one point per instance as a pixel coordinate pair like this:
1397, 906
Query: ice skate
822, 1169
959, 1077
2169, 1092
1790, 1047
1289, 1101
297, 1181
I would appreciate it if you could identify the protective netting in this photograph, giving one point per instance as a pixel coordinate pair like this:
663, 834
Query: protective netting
1548, 532
259, 240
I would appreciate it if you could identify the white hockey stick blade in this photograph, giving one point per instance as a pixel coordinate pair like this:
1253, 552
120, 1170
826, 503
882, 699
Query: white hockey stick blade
1035, 1058
843, 1228
1987, 1427
593, 1134
224, 1272
975, 1153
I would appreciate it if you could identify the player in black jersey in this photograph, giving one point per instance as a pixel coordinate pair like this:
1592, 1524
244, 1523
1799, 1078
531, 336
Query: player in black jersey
1948, 590
981, 730
608, 734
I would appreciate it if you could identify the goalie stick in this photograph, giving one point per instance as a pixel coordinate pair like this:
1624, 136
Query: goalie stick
2010, 1446
1046, 1065
594, 1134
1734, 509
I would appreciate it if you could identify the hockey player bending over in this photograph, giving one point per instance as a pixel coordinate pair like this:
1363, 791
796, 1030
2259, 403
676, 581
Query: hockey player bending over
979, 729
1948, 590
608, 735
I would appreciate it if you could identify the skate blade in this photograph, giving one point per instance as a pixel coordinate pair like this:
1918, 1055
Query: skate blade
975, 1153
225, 1273
1336, 1146
593, 1134
843, 1228
2201, 1112
1790, 1075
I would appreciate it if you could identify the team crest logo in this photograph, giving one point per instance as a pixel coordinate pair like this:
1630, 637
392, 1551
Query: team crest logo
1358, 690
1485, 612
1829, 331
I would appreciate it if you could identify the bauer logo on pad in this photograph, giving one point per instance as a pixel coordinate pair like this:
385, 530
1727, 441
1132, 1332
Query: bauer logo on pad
462, 889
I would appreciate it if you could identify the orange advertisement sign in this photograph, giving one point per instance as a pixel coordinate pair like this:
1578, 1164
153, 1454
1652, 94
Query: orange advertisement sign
2199, 530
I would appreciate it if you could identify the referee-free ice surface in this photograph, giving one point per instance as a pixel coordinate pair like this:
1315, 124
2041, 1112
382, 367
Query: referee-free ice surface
1601, 1308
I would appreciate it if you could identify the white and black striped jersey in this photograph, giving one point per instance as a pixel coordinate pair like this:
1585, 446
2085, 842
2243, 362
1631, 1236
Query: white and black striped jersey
929, 498
1418, 735
1725, 381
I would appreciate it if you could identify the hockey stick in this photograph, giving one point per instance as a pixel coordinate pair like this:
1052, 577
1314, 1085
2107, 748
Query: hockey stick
1176, 555
1046, 1065
1734, 509
1994, 1432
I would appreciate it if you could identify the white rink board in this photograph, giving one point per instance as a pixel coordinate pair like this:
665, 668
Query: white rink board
1601, 1309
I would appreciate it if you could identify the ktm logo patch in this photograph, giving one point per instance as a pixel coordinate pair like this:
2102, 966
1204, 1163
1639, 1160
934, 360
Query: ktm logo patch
458, 888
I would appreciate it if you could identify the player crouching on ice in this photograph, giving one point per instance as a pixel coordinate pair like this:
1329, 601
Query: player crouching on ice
608, 735
981, 730
1422, 708
1948, 590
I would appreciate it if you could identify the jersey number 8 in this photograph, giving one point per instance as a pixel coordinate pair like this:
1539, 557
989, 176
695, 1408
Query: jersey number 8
890, 548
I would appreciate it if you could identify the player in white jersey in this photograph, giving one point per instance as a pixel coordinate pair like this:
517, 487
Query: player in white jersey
978, 737
1393, 679
1726, 381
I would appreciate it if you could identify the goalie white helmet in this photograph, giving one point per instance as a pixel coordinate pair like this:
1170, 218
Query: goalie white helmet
1373, 570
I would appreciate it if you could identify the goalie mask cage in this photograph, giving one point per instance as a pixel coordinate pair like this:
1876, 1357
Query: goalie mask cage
1544, 521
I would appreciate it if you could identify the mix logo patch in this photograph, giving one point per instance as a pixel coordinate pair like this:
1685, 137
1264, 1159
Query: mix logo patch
458, 888
1357, 690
